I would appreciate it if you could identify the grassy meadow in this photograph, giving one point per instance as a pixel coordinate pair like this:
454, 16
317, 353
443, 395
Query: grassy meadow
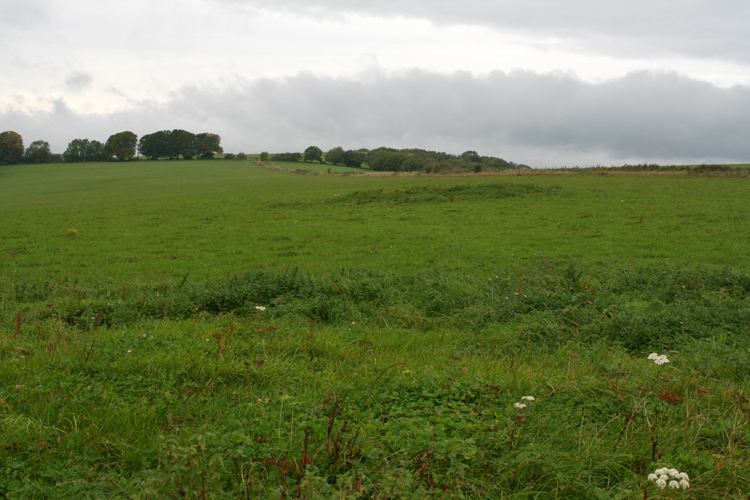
217, 329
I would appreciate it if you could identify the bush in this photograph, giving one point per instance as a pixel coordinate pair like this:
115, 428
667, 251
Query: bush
287, 157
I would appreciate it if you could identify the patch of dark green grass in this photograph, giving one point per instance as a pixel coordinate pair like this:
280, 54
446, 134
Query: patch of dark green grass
637, 309
426, 194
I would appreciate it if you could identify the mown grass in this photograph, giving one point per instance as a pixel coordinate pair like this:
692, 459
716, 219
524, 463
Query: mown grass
220, 330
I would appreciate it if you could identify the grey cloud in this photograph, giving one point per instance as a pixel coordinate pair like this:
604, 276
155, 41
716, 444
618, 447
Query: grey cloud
714, 29
540, 120
76, 82
15, 14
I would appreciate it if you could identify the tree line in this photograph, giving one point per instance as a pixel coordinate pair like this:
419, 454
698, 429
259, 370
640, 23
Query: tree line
170, 144
401, 160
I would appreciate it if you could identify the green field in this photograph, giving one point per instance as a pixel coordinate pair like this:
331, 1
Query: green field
217, 329
146, 221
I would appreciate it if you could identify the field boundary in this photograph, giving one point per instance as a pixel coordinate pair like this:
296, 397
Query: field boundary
602, 171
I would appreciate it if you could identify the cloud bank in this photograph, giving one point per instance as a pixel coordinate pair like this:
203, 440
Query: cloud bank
542, 120
636, 28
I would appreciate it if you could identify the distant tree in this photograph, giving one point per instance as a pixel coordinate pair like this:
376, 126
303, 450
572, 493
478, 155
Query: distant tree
95, 151
11, 148
38, 152
413, 164
336, 156
183, 144
385, 160
242, 156
354, 158
121, 145
264, 156
207, 145
229, 156
84, 150
471, 156
76, 151
314, 153
155, 145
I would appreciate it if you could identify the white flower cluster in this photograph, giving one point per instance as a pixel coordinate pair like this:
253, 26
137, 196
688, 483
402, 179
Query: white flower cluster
671, 478
521, 406
260, 308
659, 359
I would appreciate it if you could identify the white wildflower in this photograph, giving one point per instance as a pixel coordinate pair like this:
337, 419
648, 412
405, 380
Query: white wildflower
520, 406
260, 308
671, 478
661, 360
528, 398
129, 351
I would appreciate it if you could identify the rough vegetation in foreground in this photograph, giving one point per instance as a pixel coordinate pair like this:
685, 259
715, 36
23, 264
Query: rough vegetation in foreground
531, 383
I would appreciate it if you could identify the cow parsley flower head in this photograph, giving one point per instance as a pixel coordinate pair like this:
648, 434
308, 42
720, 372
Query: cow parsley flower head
529, 398
520, 406
659, 359
672, 478
260, 308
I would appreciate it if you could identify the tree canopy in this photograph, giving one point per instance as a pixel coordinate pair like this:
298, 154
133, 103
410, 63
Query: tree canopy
410, 160
121, 145
336, 156
38, 152
11, 148
287, 156
314, 153
83, 150
207, 145
354, 158
178, 143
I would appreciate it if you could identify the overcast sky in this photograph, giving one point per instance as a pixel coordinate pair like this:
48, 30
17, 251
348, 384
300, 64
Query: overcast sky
541, 82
